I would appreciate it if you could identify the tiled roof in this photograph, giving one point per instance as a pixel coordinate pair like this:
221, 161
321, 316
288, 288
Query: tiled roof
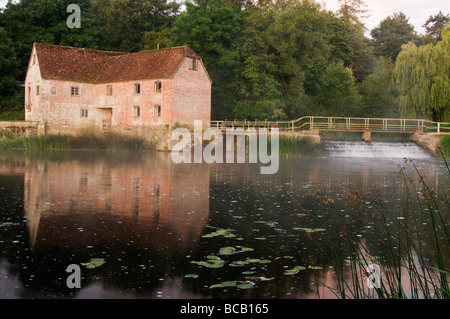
94, 66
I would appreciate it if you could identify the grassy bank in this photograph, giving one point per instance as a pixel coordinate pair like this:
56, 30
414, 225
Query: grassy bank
85, 141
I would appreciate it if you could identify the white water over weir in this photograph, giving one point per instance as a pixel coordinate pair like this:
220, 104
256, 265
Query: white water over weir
374, 149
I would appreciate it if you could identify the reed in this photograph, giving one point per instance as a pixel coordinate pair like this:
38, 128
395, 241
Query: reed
297, 146
84, 141
445, 144
396, 245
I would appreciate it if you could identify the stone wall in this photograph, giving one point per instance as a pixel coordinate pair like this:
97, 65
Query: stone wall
429, 141
19, 128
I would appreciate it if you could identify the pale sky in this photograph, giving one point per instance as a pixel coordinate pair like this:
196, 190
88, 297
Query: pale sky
418, 11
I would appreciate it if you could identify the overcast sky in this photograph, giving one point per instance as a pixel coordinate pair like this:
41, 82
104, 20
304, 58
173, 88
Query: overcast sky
418, 11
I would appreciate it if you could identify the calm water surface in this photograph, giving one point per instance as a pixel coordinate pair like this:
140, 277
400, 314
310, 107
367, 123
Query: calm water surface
154, 222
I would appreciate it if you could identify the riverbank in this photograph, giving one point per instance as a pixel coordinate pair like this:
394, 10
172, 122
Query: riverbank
289, 145
85, 141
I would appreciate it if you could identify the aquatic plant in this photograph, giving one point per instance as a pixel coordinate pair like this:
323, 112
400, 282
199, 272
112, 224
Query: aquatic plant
395, 245
94, 263
84, 141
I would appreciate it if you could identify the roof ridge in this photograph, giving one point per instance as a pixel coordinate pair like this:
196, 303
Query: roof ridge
81, 49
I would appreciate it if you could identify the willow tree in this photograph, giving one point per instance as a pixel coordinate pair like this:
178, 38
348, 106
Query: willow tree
421, 76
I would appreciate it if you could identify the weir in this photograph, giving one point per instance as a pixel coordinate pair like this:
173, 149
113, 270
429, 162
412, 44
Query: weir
362, 149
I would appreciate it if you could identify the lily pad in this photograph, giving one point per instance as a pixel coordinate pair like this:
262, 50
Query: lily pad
293, 271
94, 263
240, 263
227, 250
245, 286
309, 230
315, 267
210, 263
191, 276
224, 284
225, 232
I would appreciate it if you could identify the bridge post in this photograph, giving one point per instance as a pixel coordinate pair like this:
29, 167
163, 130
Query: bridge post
367, 136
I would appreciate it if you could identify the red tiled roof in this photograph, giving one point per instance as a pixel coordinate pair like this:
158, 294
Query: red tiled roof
94, 66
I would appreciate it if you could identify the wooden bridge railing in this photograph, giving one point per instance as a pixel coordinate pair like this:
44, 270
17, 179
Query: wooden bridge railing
346, 124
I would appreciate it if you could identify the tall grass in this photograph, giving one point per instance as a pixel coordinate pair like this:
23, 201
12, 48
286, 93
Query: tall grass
409, 245
297, 146
445, 144
84, 141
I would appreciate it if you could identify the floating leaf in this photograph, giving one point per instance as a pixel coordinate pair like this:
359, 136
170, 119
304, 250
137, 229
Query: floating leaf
224, 284
247, 249
294, 270
191, 276
227, 250
225, 232
309, 230
210, 263
6, 224
315, 267
241, 263
245, 286
94, 263
250, 272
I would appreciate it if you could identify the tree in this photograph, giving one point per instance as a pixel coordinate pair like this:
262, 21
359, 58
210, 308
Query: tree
9, 65
339, 93
391, 34
44, 21
379, 97
351, 12
340, 40
435, 24
152, 40
127, 20
213, 31
421, 75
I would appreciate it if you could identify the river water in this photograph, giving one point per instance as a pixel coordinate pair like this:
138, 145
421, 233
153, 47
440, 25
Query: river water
159, 226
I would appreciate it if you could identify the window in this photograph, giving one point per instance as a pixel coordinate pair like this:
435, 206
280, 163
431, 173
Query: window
53, 90
109, 90
74, 91
84, 113
29, 98
192, 64
158, 87
34, 59
136, 111
157, 111
137, 88
37, 90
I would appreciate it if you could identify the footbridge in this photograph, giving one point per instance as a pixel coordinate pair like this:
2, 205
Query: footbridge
424, 132
342, 124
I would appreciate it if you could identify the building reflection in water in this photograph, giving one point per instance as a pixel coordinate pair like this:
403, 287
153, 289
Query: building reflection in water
90, 199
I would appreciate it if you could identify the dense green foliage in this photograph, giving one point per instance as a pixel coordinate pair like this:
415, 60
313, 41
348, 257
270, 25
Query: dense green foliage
422, 77
273, 60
